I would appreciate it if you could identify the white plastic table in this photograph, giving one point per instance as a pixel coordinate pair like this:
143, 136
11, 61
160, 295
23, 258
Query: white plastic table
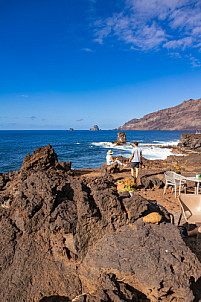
197, 182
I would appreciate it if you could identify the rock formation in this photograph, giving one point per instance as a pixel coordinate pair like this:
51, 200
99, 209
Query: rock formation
190, 141
69, 239
185, 116
95, 128
113, 168
121, 138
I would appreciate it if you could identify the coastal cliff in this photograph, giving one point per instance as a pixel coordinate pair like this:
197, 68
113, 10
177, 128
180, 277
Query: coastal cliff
185, 116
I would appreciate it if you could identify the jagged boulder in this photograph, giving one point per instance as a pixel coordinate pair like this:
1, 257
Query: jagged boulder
149, 182
51, 221
2, 181
190, 141
121, 138
64, 166
143, 256
41, 159
113, 168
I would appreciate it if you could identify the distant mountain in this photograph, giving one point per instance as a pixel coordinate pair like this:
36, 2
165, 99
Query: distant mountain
186, 116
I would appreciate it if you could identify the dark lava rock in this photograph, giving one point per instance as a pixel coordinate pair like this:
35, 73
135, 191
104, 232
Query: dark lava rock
64, 166
2, 181
133, 256
121, 138
113, 168
151, 181
116, 291
70, 239
42, 159
137, 207
190, 141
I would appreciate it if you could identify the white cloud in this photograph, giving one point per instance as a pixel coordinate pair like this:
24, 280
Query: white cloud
131, 31
147, 9
186, 17
181, 43
102, 33
88, 49
195, 62
153, 24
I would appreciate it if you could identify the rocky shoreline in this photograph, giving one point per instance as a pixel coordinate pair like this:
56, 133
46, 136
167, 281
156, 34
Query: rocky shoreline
69, 235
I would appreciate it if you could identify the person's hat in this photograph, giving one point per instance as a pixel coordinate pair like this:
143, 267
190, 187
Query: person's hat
109, 152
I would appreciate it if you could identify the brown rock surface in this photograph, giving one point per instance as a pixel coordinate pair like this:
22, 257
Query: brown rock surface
66, 238
190, 141
132, 256
42, 158
113, 168
121, 138
185, 116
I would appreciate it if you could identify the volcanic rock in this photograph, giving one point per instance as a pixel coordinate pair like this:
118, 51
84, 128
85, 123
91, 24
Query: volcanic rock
64, 238
132, 256
121, 138
2, 181
190, 141
95, 128
65, 166
113, 168
149, 182
41, 159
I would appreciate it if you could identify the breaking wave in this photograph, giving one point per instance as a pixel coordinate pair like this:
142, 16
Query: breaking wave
150, 150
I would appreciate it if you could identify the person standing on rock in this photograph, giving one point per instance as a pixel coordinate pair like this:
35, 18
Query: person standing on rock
135, 159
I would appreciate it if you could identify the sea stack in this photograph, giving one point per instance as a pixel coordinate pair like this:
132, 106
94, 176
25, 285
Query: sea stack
121, 138
95, 128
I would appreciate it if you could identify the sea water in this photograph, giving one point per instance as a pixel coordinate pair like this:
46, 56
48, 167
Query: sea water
85, 149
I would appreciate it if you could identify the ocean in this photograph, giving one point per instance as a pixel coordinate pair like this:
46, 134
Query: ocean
85, 149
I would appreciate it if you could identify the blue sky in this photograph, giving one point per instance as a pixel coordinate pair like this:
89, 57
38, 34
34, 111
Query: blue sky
76, 63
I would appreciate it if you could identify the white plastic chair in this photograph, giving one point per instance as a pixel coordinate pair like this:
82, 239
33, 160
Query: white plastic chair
190, 208
173, 179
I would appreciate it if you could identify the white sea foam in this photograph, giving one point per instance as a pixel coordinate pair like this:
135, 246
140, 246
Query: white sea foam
150, 151
156, 152
169, 143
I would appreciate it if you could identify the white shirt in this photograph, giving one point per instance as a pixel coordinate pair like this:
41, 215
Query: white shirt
109, 159
137, 155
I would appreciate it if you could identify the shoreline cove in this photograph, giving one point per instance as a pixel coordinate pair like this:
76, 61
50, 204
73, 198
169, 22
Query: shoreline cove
79, 147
